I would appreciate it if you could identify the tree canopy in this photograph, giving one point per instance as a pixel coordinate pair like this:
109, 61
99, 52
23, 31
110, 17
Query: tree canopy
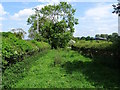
117, 8
19, 32
56, 24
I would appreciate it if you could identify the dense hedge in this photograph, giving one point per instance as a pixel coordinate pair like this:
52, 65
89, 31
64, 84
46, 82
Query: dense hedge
97, 48
107, 51
15, 49
94, 47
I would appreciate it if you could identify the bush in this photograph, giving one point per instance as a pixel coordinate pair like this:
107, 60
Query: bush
57, 60
15, 49
101, 49
93, 48
41, 45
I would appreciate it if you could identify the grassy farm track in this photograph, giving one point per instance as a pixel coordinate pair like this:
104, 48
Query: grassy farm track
60, 69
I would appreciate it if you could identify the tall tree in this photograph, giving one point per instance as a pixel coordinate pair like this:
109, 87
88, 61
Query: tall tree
19, 32
56, 24
82, 38
97, 36
88, 38
104, 35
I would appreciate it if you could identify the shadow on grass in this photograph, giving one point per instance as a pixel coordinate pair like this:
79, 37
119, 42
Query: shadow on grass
98, 74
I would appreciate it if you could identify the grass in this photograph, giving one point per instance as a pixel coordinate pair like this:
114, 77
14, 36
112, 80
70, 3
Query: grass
60, 69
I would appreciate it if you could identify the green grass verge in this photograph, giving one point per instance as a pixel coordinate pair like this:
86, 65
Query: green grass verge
60, 69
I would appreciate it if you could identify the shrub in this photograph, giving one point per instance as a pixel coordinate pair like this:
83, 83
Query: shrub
101, 49
57, 60
88, 48
15, 49
41, 45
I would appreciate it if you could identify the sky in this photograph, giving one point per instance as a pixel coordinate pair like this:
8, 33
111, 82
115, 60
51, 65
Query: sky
94, 17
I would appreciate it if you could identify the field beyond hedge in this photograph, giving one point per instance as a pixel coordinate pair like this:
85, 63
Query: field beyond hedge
60, 69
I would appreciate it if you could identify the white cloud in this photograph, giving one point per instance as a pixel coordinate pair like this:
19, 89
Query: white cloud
22, 14
98, 12
25, 13
97, 20
41, 6
2, 12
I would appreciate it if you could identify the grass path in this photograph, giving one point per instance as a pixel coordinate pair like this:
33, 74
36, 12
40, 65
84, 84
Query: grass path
72, 70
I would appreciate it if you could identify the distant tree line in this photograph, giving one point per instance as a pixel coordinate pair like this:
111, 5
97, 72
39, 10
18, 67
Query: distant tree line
106, 37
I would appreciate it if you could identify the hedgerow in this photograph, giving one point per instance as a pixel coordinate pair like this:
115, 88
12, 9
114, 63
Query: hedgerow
100, 51
93, 47
15, 49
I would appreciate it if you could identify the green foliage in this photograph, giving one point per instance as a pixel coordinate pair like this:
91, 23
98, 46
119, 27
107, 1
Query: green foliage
100, 48
117, 8
111, 37
56, 25
41, 45
88, 38
93, 44
75, 71
15, 49
15, 72
83, 38
116, 46
19, 32
57, 59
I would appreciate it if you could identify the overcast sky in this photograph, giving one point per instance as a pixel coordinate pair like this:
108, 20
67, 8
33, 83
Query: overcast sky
94, 17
